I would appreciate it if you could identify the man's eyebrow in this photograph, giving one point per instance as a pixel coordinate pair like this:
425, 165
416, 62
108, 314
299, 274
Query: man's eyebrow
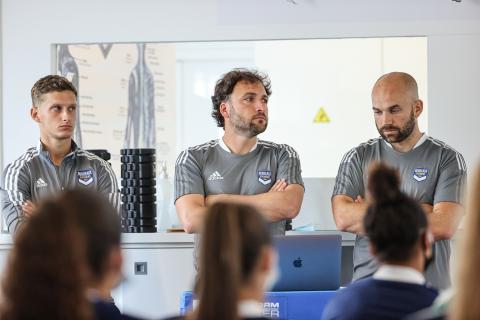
61, 105
389, 108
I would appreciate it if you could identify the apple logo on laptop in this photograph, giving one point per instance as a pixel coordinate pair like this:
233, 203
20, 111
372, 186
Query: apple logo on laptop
297, 263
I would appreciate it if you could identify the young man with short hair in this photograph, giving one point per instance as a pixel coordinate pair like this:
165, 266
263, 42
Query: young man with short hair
56, 163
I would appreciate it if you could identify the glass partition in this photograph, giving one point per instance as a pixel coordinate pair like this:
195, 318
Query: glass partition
158, 94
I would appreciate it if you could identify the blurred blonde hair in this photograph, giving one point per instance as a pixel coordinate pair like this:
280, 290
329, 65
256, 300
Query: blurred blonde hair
465, 305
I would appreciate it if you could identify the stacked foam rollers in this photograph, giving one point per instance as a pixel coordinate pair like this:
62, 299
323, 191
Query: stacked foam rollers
139, 208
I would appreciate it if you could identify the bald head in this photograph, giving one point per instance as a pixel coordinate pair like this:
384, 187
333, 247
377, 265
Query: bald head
396, 107
396, 81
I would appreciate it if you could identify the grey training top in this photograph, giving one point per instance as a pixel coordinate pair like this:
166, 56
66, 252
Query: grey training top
431, 172
33, 176
211, 168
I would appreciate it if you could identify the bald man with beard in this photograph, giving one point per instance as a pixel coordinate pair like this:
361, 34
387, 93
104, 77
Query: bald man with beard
431, 172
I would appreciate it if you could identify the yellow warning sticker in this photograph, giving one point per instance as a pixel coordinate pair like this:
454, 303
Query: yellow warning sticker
321, 116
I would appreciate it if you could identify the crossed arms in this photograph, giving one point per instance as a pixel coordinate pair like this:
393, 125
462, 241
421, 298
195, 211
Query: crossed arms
281, 202
443, 217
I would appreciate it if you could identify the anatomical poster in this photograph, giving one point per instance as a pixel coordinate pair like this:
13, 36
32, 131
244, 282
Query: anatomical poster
126, 96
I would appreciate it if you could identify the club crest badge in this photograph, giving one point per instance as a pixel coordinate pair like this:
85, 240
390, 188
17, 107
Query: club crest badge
264, 177
420, 174
85, 177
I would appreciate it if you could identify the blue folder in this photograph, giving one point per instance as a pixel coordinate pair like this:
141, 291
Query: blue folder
291, 305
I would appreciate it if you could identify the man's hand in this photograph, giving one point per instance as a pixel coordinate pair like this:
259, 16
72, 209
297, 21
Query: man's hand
214, 198
29, 208
443, 218
275, 206
359, 199
279, 185
427, 208
348, 213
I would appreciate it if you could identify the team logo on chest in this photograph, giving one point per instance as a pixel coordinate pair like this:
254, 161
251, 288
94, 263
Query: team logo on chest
265, 177
85, 176
420, 174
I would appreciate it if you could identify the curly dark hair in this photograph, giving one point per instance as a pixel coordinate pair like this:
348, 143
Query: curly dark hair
225, 85
49, 84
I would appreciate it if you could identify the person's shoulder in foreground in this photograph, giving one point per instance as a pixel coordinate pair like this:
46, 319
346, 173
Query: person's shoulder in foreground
378, 299
108, 311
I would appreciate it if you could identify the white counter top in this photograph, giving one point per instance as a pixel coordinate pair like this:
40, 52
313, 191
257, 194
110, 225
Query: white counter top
130, 240
176, 239
158, 239
5, 240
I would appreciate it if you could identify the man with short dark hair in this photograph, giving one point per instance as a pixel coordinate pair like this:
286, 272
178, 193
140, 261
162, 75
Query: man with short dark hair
239, 167
56, 163
431, 172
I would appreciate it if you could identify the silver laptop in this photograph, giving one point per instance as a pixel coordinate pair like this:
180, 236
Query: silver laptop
308, 262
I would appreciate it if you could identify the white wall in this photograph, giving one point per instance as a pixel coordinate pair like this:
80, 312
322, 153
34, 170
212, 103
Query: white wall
309, 74
30, 27
453, 84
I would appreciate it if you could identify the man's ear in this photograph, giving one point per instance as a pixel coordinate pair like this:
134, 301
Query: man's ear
34, 114
418, 108
224, 110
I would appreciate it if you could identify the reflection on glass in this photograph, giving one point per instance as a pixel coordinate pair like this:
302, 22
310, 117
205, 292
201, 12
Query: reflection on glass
140, 130
67, 67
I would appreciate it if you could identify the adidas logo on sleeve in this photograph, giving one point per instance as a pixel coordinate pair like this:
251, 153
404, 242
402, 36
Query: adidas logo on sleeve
215, 176
41, 183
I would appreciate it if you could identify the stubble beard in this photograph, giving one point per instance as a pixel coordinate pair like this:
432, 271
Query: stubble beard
402, 133
246, 128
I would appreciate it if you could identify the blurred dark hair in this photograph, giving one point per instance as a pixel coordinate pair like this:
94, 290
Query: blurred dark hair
100, 222
226, 84
232, 240
46, 273
394, 222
